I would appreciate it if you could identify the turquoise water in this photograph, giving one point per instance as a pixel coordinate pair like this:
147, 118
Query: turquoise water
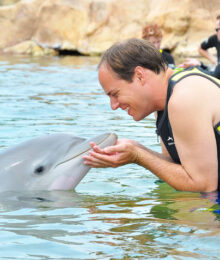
123, 213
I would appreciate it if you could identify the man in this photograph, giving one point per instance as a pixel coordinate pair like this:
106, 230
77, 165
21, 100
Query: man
153, 34
212, 41
136, 78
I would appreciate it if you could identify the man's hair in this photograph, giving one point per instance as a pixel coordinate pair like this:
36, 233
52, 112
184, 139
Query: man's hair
218, 17
124, 57
151, 30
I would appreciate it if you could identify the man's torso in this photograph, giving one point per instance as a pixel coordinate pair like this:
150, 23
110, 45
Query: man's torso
164, 129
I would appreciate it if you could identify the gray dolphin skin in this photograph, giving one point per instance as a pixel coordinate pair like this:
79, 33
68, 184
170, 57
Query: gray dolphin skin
50, 162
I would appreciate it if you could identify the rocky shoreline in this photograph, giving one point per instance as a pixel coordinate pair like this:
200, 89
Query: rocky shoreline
88, 27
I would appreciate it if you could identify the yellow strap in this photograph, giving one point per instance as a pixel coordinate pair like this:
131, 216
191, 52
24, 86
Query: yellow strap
177, 69
194, 70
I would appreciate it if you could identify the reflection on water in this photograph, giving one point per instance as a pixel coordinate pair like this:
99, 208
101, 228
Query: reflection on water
123, 213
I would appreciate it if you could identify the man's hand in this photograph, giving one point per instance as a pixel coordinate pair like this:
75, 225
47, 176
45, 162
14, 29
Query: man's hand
123, 152
189, 62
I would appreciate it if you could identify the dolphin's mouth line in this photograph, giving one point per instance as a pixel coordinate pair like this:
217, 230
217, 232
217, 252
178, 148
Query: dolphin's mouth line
71, 158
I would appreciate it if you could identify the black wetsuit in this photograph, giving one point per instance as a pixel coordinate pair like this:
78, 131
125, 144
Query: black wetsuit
168, 58
164, 129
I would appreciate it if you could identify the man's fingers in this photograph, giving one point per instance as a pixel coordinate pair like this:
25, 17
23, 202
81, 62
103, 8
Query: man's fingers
114, 149
101, 157
96, 148
97, 163
94, 164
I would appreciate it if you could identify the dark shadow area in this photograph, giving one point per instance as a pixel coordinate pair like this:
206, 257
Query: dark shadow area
69, 52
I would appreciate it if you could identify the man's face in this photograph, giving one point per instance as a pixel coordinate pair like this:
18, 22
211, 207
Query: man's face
129, 96
218, 29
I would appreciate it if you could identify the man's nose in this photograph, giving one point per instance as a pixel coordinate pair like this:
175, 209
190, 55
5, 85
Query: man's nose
114, 103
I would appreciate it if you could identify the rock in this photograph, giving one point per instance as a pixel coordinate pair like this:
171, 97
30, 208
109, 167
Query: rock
8, 2
29, 47
41, 27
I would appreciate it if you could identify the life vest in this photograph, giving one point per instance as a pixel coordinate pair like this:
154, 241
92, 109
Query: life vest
164, 129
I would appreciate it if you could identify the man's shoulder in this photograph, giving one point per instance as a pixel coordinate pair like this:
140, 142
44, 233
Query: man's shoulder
209, 42
192, 88
213, 37
186, 96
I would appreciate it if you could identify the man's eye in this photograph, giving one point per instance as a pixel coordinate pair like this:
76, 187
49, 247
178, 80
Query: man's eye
114, 94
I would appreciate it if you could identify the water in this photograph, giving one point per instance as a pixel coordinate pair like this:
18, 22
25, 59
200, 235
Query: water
123, 213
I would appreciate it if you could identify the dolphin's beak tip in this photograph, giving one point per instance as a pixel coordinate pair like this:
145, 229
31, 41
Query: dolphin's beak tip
114, 135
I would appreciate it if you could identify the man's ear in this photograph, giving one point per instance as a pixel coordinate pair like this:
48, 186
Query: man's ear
139, 73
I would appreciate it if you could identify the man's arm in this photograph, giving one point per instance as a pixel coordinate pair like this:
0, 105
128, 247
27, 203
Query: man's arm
207, 55
205, 45
162, 166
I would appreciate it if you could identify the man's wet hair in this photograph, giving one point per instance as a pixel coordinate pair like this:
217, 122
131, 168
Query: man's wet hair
124, 57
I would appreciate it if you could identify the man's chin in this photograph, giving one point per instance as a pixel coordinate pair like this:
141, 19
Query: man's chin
136, 118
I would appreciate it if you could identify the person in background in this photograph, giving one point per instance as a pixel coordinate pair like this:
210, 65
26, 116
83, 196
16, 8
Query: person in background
137, 79
153, 34
211, 42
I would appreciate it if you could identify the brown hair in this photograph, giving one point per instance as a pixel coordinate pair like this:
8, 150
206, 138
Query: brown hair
151, 30
124, 57
218, 17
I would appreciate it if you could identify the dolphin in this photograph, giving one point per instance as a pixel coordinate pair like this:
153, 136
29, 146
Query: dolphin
48, 162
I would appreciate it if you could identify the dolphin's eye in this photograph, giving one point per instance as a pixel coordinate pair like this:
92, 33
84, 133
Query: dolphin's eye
39, 170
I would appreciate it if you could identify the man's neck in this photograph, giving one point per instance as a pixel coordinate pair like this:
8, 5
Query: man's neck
163, 90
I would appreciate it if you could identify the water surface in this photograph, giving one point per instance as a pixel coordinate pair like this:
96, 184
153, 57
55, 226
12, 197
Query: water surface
123, 213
